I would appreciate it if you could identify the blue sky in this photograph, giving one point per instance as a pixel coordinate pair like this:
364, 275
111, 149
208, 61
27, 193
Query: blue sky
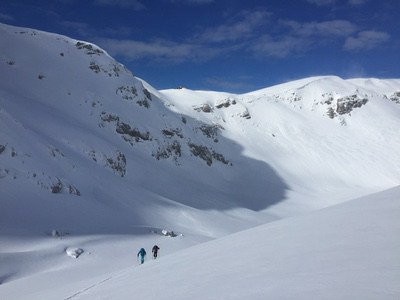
228, 45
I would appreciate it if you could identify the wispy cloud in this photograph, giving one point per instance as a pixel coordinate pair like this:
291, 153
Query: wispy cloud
334, 2
357, 2
366, 40
204, 45
322, 2
278, 47
239, 27
333, 28
249, 34
159, 50
6, 17
192, 2
297, 38
254, 32
133, 4
257, 32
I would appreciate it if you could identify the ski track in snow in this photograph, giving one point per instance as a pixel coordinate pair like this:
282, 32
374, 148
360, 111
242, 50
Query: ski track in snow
86, 289
83, 291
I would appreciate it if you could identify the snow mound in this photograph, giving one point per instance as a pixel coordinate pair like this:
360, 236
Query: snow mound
169, 233
74, 252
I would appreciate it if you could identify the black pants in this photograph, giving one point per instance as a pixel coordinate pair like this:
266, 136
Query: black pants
155, 254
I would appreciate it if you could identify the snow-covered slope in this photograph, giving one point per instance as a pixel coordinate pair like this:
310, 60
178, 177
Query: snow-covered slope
353, 253
349, 251
81, 130
329, 139
91, 155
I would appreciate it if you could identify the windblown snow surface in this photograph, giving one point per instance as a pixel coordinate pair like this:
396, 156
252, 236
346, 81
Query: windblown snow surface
248, 196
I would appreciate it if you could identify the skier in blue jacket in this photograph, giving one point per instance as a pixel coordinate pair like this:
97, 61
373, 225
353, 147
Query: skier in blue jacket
141, 254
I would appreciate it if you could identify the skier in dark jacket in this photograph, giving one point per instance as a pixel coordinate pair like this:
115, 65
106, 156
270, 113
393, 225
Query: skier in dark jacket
155, 251
141, 254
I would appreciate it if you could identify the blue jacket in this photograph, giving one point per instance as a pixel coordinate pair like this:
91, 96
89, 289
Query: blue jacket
142, 252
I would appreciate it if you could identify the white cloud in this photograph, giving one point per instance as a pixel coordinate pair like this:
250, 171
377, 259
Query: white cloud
239, 33
134, 4
192, 2
249, 31
279, 47
322, 2
297, 38
357, 2
6, 17
365, 40
333, 2
324, 29
238, 28
198, 48
158, 50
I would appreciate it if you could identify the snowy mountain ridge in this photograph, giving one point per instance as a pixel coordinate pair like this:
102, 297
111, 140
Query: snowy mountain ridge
318, 119
90, 154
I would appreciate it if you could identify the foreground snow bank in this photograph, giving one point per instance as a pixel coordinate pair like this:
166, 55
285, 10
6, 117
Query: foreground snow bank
350, 251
